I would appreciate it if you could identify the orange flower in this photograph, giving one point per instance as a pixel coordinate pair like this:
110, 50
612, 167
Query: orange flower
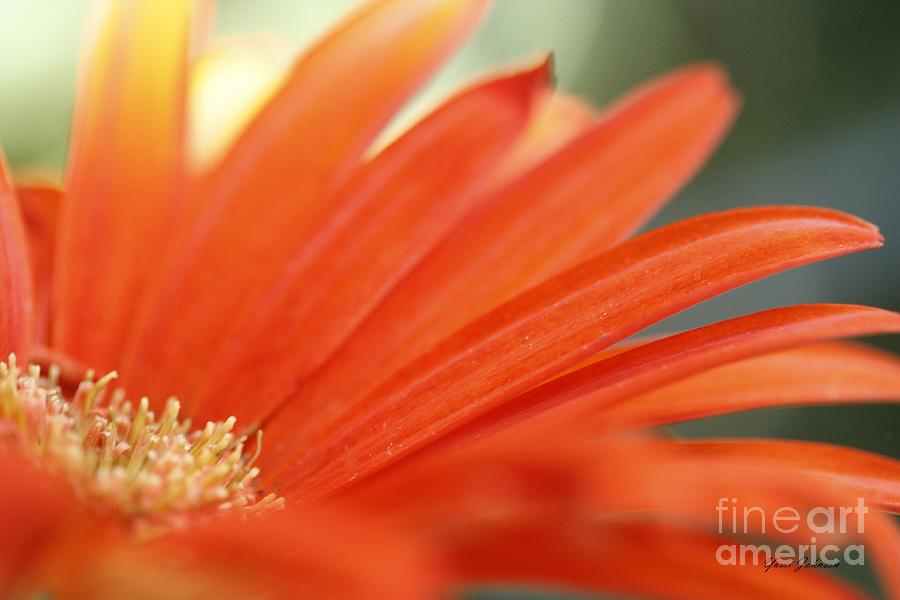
427, 335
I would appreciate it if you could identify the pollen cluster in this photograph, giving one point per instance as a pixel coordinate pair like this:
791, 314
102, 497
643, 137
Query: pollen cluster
155, 471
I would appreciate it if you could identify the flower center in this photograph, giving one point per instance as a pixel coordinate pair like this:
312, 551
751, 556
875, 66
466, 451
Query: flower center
156, 472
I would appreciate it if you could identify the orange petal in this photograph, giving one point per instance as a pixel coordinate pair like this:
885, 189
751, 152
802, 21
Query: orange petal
692, 485
246, 218
639, 559
824, 373
391, 213
32, 508
315, 555
870, 475
16, 301
593, 392
585, 197
560, 322
123, 168
527, 507
40, 208
558, 119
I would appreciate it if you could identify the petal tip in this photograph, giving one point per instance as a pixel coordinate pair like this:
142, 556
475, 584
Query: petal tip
865, 235
530, 82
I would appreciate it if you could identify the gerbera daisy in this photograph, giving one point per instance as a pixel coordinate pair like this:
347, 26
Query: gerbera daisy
398, 370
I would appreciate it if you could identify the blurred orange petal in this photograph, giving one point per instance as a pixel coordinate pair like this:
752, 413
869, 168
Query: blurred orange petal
494, 506
313, 554
16, 301
40, 208
123, 172
870, 475
33, 507
558, 119
646, 560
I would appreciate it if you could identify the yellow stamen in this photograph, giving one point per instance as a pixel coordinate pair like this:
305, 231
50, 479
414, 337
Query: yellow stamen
154, 472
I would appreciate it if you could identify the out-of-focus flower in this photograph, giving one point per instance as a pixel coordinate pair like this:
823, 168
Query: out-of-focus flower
426, 334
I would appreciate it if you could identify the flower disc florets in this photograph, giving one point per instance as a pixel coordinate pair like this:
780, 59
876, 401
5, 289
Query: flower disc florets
153, 471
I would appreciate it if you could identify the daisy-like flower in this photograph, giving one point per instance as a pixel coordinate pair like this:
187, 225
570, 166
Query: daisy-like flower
254, 357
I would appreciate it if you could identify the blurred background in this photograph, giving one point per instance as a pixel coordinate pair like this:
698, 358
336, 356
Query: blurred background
820, 125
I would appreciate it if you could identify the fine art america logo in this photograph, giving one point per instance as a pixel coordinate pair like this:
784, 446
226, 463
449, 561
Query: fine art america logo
826, 521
